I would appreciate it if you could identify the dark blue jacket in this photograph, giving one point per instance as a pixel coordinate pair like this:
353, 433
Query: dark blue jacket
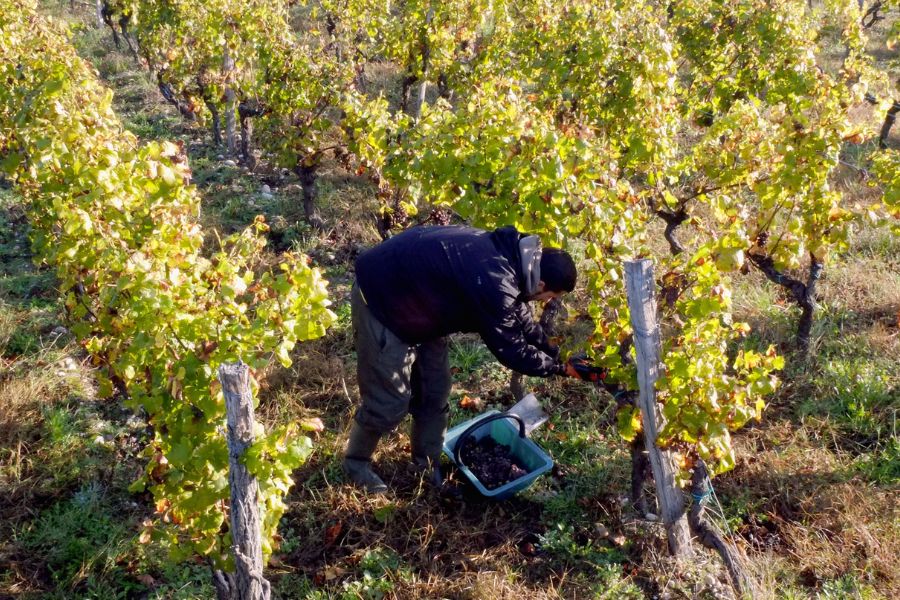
428, 282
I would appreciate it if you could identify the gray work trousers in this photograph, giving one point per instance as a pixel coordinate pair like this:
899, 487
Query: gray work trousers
396, 378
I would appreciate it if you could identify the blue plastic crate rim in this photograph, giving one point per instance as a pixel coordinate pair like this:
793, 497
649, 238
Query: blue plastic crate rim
500, 427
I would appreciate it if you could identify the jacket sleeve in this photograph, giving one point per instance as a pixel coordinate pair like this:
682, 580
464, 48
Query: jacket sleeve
507, 334
534, 333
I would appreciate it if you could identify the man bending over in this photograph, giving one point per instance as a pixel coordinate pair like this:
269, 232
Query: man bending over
415, 289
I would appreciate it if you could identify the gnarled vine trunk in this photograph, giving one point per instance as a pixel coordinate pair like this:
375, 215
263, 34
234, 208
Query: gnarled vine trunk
247, 110
216, 126
804, 294
708, 536
307, 174
889, 119
169, 94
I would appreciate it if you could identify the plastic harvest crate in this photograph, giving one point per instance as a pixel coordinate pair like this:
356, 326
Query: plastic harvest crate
505, 430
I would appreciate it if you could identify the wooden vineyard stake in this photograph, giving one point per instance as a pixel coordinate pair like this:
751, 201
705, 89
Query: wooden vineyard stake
642, 305
247, 582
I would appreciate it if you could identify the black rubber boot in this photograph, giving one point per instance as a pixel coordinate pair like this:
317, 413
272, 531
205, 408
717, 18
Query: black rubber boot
426, 441
357, 461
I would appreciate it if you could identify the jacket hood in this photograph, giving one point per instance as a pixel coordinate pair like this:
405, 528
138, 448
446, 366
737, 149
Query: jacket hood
523, 252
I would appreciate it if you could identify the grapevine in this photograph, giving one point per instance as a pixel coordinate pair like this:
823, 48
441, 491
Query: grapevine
707, 128
723, 126
118, 222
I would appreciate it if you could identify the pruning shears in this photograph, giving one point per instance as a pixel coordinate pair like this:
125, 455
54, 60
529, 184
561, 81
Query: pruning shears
580, 366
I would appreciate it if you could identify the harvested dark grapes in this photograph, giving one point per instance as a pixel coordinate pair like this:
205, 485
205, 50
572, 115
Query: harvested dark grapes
492, 463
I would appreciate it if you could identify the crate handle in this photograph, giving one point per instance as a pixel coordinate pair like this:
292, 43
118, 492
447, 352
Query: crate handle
465, 434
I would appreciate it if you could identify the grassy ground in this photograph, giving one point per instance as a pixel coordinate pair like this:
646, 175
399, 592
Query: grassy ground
812, 502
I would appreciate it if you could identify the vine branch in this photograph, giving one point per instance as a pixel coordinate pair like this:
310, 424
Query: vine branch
804, 294
673, 219
889, 118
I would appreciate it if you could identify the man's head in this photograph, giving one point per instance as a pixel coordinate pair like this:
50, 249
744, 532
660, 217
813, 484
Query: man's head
558, 274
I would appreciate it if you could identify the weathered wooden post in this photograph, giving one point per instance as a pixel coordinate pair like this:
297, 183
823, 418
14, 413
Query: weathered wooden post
247, 582
640, 288
228, 70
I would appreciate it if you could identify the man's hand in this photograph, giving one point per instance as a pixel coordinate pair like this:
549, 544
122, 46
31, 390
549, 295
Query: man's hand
571, 371
580, 367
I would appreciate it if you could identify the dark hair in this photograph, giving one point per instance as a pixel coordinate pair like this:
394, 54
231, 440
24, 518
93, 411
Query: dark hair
557, 270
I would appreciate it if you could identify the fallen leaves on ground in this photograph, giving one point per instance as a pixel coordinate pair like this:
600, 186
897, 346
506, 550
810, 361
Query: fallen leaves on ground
470, 403
314, 424
332, 533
